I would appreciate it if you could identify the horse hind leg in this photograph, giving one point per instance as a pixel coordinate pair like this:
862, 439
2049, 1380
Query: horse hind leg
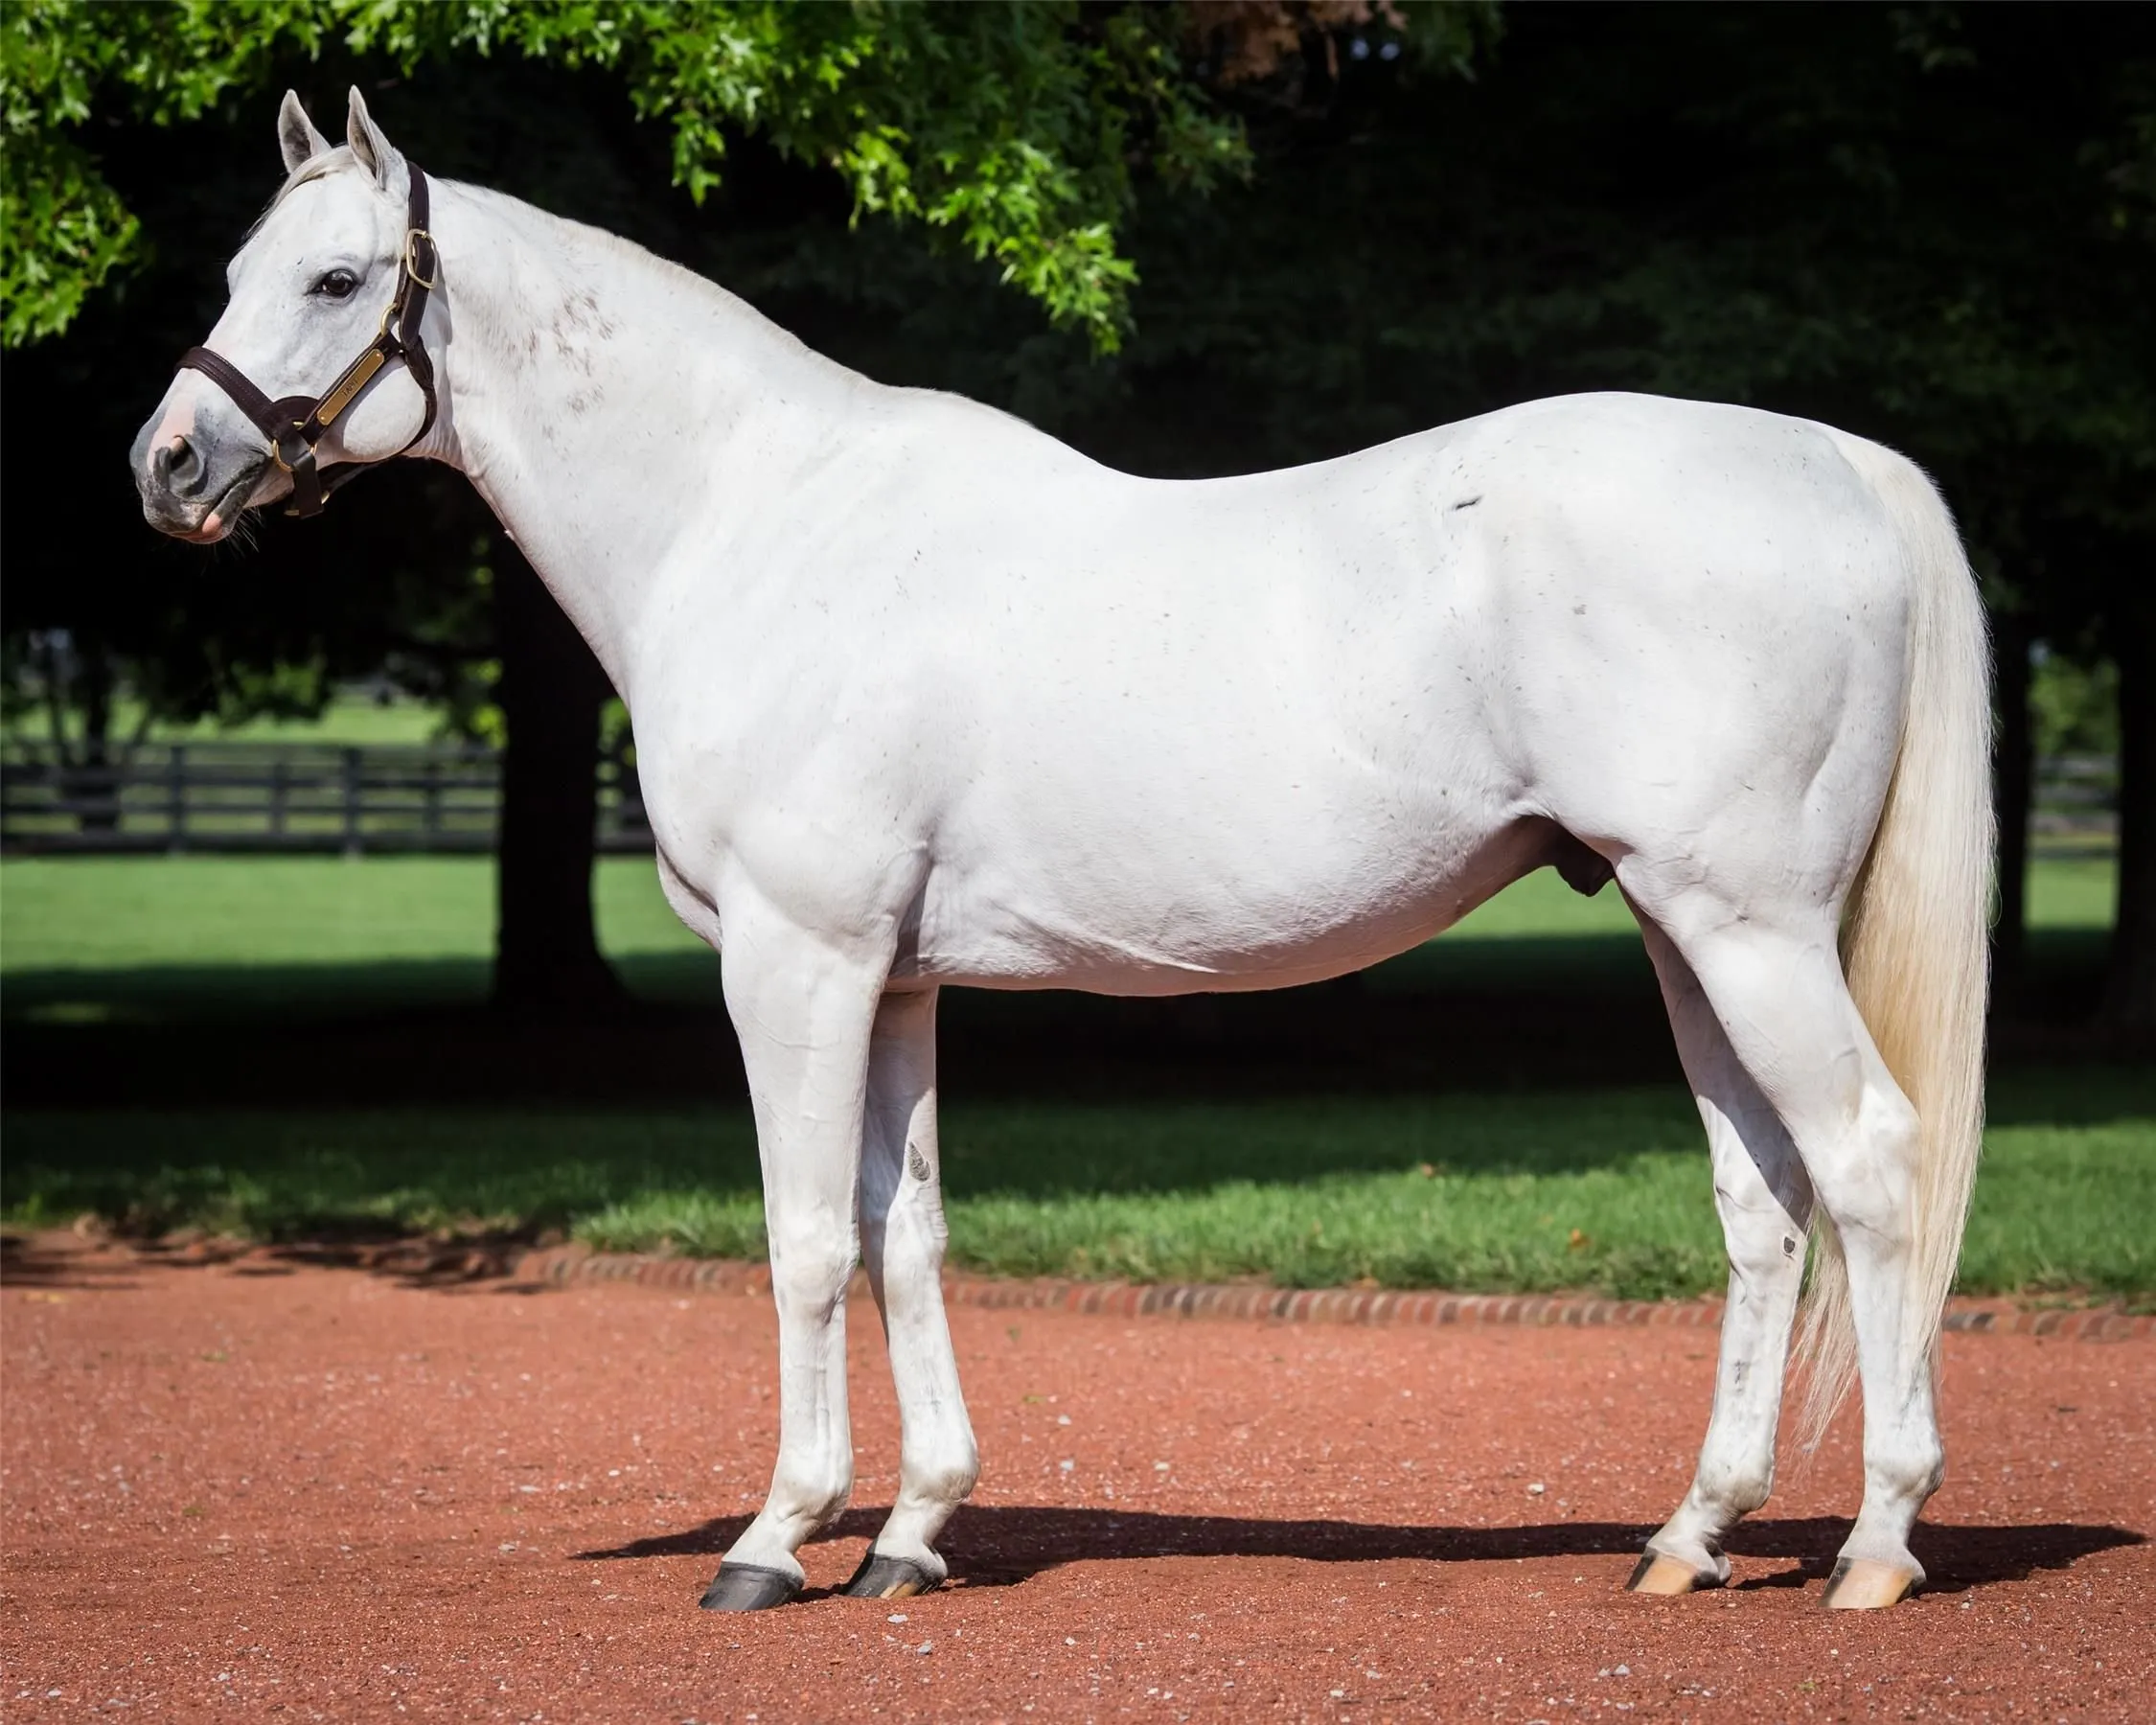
1764, 1200
1778, 994
902, 1237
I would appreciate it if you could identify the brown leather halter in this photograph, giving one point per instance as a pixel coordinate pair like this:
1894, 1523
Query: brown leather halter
295, 424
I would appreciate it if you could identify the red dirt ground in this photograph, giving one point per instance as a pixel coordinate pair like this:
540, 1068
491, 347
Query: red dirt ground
322, 1493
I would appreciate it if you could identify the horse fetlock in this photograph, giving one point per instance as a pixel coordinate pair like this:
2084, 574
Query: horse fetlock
810, 1501
947, 1481
1730, 1489
1905, 1473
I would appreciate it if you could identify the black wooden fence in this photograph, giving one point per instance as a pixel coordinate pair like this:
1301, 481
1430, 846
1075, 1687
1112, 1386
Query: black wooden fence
2075, 806
378, 799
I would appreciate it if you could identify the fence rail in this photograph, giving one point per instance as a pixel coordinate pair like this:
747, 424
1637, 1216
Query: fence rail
2076, 802
279, 797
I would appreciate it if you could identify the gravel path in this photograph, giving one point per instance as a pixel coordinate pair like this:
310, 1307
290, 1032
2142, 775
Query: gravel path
263, 1488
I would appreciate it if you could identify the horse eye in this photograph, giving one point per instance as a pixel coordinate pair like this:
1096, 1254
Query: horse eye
338, 284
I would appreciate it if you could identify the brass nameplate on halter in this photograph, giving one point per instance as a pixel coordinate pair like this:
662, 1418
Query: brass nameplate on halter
351, 384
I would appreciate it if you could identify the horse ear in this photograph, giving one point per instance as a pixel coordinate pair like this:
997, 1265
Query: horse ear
296, 135
372, 151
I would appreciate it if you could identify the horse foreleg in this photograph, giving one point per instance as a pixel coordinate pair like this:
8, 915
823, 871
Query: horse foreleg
803, 1013
902, 1236
1764, 1200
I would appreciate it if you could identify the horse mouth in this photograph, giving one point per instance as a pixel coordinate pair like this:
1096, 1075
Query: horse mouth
222, 516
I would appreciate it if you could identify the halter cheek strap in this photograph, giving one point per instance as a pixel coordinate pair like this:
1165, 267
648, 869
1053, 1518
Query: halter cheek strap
295, 424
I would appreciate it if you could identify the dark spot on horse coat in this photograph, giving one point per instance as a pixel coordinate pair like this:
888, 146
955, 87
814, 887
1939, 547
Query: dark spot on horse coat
1469, 502
577, 325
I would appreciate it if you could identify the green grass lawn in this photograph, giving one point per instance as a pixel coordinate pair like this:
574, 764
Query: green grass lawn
1603, 1190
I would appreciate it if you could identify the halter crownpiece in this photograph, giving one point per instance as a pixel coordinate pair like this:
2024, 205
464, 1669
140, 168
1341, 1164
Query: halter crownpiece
295, 424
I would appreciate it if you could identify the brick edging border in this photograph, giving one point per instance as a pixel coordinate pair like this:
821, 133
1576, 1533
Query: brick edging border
566, 1266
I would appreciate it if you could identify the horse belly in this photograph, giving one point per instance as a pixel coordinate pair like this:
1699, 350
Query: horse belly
1310, 895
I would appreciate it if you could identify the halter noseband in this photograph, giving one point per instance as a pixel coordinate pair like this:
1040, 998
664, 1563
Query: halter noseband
295, 424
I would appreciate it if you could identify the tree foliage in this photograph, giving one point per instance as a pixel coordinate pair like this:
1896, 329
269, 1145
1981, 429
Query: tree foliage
1010, 128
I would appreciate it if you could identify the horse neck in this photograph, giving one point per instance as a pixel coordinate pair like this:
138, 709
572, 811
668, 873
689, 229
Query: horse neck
606, 404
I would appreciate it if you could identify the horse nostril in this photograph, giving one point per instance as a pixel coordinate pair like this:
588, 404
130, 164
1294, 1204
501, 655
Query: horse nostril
177, 466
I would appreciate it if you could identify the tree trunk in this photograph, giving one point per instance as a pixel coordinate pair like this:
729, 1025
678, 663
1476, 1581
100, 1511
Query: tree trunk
95, 667
546, 945
2015, 779
2129, 1000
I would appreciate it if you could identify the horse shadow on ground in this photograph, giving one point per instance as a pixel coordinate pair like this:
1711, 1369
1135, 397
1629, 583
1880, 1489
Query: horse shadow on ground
1001, 1547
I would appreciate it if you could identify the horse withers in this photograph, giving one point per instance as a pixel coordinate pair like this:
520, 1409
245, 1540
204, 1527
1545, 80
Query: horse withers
924, 697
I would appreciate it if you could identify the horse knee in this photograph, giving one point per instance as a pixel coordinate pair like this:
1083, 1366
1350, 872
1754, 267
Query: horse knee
1907, 1463
904, 1252
809, 1270
1765, 1244
914, 1242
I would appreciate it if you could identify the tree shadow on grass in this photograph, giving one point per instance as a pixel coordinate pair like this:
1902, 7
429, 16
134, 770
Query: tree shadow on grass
31, 1263
999, 1547
63, 1260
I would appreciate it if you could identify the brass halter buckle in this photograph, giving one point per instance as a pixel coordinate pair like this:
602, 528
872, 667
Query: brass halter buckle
299, 437
412, 239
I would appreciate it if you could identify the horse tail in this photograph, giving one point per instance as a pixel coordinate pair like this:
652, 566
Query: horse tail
1914, 939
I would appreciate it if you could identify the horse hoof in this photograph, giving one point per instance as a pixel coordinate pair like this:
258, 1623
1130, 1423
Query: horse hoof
881, 1578
1862, 1584
747, 1587
1665, 1578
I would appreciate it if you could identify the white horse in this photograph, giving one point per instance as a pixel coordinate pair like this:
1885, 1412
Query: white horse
924, 697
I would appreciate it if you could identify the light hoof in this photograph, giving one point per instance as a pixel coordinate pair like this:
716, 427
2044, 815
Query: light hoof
881, 1578
1865, 1584
1665, 1578
747, 1587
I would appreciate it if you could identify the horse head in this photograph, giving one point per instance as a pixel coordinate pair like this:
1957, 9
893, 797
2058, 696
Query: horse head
328, 272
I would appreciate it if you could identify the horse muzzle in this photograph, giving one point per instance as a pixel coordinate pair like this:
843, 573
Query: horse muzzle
196, 478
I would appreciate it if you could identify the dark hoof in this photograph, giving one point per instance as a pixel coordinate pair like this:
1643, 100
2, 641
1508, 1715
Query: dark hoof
747, 1587
881, 1578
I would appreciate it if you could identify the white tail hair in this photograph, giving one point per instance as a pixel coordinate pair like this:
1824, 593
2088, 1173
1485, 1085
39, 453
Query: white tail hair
1915, 947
